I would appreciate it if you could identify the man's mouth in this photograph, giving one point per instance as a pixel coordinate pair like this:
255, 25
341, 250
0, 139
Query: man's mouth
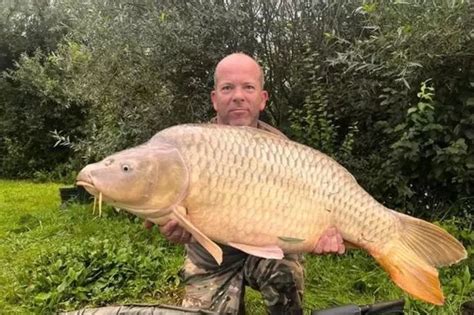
238, 111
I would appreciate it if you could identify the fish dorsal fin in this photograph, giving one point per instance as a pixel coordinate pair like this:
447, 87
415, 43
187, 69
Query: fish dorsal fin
200, 237
269, 251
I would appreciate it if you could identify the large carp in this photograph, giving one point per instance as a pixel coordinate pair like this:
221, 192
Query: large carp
266, 196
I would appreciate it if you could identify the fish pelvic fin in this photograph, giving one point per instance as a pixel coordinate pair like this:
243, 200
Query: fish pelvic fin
268, 252
411, 257
199, 236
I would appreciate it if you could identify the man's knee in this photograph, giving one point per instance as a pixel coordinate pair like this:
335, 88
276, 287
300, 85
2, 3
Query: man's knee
220, 299
281, 283
220, 292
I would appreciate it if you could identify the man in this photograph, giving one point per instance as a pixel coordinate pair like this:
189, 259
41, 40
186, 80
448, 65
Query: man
238, 98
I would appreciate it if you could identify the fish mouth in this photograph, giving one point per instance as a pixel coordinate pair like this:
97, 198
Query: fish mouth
88, 186
85, 181
98, 198
98, 194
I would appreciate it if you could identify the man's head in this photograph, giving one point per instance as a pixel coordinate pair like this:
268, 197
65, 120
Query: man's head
238, 96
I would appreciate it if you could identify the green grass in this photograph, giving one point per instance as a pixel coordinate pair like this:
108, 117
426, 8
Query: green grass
56, 258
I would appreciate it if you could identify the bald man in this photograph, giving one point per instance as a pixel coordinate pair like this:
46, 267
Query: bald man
238, 98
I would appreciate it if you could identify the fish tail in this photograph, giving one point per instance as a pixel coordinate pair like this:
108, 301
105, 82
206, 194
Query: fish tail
411, 257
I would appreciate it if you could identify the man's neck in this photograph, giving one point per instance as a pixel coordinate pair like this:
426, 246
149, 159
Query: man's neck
217, 120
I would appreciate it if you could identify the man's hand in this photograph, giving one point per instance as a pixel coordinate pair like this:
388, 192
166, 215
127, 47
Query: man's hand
172, 232
330, 242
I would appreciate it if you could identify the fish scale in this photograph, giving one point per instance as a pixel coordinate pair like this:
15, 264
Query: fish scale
266, 195
271, 187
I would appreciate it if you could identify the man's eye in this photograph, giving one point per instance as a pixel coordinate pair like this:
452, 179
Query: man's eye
226, 88
250, 87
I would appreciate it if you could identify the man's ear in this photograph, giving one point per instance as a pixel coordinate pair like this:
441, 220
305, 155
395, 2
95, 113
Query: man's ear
263, 103
213, 99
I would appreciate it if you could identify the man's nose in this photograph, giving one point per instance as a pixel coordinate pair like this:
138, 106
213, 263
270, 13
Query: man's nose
238, 94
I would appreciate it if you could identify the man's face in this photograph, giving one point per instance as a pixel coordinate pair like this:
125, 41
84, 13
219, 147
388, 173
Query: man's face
238, 97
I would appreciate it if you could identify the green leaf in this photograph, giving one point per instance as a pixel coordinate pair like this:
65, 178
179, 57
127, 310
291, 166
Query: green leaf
43, 296
412, 110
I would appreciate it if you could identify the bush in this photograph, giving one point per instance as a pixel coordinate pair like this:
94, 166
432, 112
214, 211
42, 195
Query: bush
343, 77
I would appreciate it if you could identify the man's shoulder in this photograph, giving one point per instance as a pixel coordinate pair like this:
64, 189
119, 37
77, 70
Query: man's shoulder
260, 125
264, 126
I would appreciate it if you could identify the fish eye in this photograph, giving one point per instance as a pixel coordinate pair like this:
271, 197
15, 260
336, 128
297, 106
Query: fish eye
126, 168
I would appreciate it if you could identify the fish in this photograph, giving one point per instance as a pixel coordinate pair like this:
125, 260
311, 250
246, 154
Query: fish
266, 196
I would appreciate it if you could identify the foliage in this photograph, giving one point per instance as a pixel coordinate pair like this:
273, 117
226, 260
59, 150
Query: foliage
343, 77
314, 124
370, 81
34, 104
26, 26
427, 151
26, 95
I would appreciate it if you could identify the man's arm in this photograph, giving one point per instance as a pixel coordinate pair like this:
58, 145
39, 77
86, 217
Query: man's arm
330, 242
172, 232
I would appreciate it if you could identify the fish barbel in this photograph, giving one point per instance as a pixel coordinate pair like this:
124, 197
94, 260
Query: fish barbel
266, 195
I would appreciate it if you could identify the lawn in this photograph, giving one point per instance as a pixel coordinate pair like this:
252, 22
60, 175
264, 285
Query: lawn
57, 257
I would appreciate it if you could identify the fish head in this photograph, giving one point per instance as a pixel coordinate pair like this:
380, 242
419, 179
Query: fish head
147, 177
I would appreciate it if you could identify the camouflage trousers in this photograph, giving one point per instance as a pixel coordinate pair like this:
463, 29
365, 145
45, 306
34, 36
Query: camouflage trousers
222, 288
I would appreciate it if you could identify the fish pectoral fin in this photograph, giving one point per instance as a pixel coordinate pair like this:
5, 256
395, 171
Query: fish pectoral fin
201, 238
269, 251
